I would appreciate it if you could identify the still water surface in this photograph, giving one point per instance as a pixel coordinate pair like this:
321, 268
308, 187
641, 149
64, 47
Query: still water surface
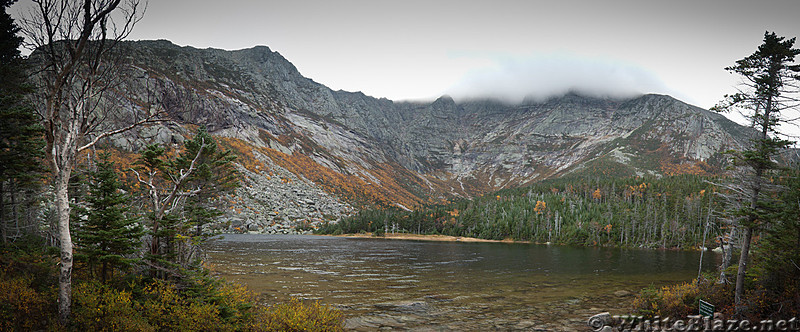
424, 285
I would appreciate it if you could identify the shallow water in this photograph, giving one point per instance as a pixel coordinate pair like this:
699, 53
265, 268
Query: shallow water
423, 285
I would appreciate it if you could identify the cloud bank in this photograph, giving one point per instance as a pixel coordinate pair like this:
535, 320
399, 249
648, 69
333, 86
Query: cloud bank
541, 77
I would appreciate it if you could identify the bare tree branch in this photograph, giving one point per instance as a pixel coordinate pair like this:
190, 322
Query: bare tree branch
151, 119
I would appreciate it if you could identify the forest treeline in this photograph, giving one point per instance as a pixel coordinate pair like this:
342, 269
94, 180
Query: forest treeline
651, 212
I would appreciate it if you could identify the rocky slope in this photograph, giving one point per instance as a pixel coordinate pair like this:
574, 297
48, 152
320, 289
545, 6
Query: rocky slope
310, 153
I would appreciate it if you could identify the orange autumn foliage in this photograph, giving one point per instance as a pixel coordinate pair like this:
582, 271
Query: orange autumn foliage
244, 154
696, 168
383, 190
597, 194
540, 207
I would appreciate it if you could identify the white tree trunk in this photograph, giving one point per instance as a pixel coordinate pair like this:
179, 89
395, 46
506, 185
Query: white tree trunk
62, 159
65, 273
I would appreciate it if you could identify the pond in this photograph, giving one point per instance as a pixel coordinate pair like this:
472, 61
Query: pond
423, 285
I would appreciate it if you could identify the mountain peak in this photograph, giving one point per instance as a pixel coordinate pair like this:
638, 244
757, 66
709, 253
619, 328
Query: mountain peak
408, 152
444, 100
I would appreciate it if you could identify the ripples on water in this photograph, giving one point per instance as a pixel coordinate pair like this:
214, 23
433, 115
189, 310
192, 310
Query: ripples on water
448, 285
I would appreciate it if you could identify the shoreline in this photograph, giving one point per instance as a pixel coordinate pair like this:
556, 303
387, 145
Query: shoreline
422, 237
449, 238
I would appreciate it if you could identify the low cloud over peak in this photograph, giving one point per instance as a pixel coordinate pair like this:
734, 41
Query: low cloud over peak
538, 78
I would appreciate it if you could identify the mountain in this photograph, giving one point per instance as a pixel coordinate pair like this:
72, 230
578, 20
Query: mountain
310, 153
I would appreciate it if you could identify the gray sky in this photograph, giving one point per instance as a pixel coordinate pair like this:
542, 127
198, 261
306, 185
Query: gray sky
422, 49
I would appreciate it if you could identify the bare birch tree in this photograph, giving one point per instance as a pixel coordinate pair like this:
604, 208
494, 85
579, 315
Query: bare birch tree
73, 43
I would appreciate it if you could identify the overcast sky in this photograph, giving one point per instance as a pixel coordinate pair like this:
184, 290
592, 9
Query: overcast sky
422, 49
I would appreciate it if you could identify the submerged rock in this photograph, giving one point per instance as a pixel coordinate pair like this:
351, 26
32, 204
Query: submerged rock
411, 306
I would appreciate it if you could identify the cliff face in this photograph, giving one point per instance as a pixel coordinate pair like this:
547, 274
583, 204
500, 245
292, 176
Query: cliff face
358, 149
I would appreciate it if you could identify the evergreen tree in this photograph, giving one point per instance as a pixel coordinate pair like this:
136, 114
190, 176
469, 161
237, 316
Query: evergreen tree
183, 194
21, 136
777, 260
666, 212
215, 174
9, 40
109, 234
770, 77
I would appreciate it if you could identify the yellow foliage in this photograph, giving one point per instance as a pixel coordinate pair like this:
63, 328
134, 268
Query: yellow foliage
97, 307
190, 304
677, 300
387, 191
244, 154
21, 307
167, 310
160, 306
540, 207
697, 168
296, 315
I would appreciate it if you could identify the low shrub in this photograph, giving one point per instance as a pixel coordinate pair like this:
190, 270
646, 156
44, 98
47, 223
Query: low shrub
296, 315
98, 307
22, 307
683, 299
678, 300
194, 302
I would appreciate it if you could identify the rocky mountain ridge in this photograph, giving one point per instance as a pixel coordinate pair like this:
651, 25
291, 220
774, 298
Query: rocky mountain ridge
356, 150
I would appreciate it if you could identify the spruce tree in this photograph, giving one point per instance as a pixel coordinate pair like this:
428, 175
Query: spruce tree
109, 234
9, 40
770, 76
777, 260
215, 174
183, 194
21, 136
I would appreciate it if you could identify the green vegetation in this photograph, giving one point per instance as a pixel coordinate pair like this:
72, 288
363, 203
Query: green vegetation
760, 201
772, 289
138, 261
114, 289
649, 212
770, 79
125, 277
108, 234
182, 196
682, 300
136, 302
21, 141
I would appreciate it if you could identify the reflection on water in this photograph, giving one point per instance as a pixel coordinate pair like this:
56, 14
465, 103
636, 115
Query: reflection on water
449, 285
